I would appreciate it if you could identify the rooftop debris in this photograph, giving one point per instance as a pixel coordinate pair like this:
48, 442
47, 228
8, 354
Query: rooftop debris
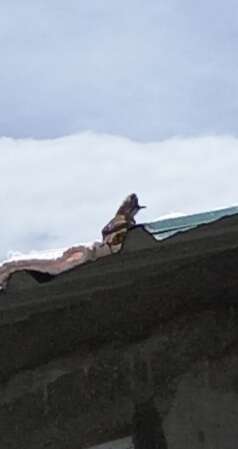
113, 235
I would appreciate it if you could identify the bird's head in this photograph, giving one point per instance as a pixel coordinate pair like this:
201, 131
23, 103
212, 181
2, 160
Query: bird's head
130, 206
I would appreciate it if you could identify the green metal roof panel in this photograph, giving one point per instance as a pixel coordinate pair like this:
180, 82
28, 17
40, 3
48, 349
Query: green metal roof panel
165, 228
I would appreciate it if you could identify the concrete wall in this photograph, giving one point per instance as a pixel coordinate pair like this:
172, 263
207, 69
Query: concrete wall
142, 344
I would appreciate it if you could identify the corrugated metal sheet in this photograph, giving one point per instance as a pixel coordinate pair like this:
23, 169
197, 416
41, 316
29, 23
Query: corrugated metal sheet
162, 229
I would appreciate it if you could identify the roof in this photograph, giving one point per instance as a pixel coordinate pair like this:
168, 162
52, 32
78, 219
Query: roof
142, 238
169, 305
165, 228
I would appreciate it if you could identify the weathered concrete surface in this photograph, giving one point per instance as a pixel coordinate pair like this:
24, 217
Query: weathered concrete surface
81, 353
90, 397
204, 412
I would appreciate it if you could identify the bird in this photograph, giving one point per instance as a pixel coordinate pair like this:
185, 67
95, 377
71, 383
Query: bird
115, 231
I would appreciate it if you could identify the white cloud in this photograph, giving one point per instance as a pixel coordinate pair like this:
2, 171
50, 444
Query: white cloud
55, 193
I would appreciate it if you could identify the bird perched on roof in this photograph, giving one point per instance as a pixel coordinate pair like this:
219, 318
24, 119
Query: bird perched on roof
114, 232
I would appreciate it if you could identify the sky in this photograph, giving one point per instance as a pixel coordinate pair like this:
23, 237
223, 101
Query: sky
102, 98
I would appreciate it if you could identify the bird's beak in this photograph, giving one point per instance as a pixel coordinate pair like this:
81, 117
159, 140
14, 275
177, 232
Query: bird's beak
142, 207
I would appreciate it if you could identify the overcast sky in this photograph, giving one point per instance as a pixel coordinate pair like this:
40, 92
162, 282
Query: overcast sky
137, 68
100, 98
